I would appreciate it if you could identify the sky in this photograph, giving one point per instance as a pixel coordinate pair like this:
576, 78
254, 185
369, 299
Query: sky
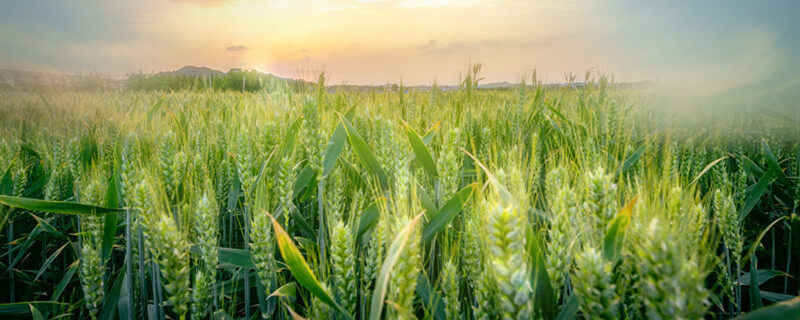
724, 43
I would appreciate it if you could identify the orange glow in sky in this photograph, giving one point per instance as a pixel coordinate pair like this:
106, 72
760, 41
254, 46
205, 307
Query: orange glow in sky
416, 41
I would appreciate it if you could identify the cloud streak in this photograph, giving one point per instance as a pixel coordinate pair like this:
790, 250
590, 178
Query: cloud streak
237, 48
433, 47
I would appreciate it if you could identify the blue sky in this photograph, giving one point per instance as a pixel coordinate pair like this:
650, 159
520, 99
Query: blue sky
731, 43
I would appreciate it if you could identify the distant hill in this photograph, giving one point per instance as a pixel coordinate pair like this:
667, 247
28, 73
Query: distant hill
203, 72
495, 85
194, 71
194, 77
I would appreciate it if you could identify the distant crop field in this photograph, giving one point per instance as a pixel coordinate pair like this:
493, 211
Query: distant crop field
278, 202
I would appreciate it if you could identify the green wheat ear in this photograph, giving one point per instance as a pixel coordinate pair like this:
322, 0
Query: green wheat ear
166, 163
173, 261
246, 160
376, 249
562, 233
728, 222
319, 309
92, 277
450, 290
201, 295
449, 162
403, 281
284, 181
472, 256
334, 200
505, 241
92, 264
343, 262
594, 285
206, 228
20, 177
262, 247
599, 204
128, 160
485, 306
672, 282
226, 173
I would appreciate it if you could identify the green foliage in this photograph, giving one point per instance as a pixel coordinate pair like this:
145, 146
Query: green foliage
235, 80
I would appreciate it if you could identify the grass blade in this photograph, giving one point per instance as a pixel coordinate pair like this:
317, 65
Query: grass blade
368, 218
299, 267
774, 296
382, 282
763, 276
430, 298
110, 227
35, 313
450, 209
111, 298
22, 249
50, 229
632, 159
570, 309
54, 206
109, 234
64, 281
501, 190
303, 180
335, 144
230, 256
772, 164
755, 193
18, 309
430, 133
287, 291
781, 310
543, 291
49, 261
155, 108
794, 222
364, 154
615, 235
755, 295
708, 167
421, 151
425, 201
289, 138
6, 182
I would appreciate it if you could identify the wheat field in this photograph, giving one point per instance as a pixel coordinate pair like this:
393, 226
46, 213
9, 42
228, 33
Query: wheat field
537, 202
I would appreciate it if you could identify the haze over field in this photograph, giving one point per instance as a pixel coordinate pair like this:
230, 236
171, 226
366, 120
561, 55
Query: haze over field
724, 44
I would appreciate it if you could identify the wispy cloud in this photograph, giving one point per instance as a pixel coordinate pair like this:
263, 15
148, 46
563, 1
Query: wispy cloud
431, 44
237, 48
433, 47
